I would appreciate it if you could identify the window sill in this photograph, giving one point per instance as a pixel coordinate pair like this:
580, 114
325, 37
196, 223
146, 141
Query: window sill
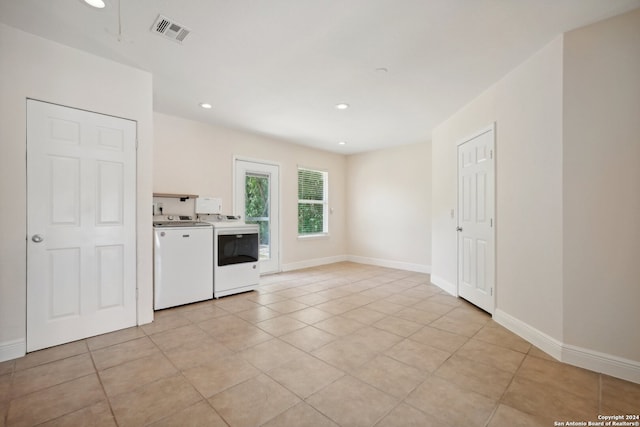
313, 236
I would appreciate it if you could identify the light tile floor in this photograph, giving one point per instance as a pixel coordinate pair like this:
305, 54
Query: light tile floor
344, 344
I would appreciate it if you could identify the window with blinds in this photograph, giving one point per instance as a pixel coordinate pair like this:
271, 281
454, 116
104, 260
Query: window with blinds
313, 202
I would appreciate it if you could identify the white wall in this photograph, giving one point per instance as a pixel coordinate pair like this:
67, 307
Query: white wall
526, 106
529, 191
602, 186
567, 195
196, 158
32, 67
389, 208
475, 116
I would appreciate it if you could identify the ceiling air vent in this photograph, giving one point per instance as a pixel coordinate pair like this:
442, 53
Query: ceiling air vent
170, 29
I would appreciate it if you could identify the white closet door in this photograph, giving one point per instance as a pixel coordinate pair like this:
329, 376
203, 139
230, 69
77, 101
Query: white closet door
476, 247
81, 225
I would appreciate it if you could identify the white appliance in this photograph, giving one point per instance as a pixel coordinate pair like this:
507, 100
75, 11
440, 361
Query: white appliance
183, 262
236, 251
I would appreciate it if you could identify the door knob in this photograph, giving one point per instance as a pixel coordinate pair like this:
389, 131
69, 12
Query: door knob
458, 228
37, 238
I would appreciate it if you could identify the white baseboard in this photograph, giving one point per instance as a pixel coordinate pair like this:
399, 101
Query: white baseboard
313, 262
541, 340
448, 287
601, 362
609, 364
418, 268
400, 265
12, 349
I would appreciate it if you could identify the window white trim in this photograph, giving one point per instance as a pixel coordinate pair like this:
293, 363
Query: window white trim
324, 202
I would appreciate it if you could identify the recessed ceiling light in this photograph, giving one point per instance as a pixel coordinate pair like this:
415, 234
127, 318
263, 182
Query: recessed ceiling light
96, 3
342, 143
206, 106
342, 106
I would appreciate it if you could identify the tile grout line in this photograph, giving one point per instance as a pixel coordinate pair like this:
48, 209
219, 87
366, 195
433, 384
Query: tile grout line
206, 399
104, 391
305, 400
180, 372
7, 402
329, 364
600, 393
500, 401
400, 400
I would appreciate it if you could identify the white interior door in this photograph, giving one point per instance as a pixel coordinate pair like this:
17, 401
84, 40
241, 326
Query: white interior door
256, 199
476, 194
81, 229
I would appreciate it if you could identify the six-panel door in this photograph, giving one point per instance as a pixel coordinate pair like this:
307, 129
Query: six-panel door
81, 230
476, 253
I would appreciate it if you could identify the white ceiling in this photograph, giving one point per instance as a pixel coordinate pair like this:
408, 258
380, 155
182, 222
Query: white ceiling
278, 67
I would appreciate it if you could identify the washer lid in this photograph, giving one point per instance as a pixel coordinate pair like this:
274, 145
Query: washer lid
181, 224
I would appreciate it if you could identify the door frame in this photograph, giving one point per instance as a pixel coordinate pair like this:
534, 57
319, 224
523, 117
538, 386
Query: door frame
279, 204
489, 128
